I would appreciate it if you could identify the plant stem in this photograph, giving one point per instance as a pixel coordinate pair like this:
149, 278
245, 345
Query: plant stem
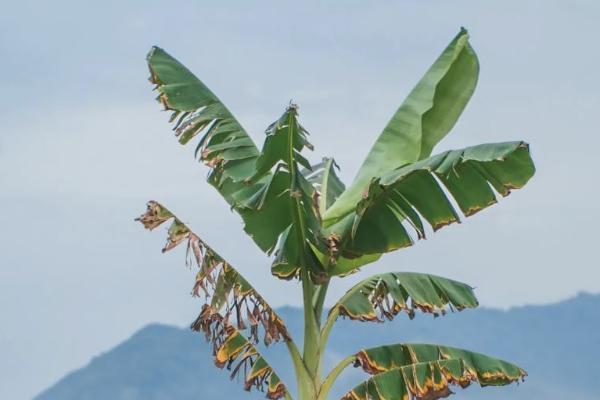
308, 374
319, 300
311, 328
335, 372
333, 314
300, 369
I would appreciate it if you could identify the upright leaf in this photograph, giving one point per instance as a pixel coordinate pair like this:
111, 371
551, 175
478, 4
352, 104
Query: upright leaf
298, 217
426, 116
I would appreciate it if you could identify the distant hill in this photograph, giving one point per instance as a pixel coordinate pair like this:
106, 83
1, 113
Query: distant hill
558, 344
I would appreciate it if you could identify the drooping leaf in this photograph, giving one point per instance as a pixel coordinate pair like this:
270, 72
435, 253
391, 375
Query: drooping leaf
232, 306
400, 200
425, 381
225, 290
488, 370
234, 351
426, 116
383, 296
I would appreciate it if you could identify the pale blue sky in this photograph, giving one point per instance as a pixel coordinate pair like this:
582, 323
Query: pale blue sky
83, 146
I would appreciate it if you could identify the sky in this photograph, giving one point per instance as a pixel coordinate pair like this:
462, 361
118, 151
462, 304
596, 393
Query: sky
83, 146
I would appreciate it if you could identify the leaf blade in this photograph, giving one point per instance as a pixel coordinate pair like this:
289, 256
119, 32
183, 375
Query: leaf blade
488, 370
429, 380
424, 118
383, 296
225, 290
232, 306
417, 192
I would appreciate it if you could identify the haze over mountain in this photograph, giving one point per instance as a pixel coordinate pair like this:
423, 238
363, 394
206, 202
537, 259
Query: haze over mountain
558, 344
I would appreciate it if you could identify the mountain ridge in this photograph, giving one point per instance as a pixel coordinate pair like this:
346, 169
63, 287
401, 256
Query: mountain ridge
556, 343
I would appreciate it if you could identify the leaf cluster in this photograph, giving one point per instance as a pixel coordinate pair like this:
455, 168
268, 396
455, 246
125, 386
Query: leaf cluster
317, 228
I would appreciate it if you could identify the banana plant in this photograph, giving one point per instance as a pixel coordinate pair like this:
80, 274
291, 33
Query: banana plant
316, 229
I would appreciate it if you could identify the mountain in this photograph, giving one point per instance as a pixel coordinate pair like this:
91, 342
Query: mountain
558, 344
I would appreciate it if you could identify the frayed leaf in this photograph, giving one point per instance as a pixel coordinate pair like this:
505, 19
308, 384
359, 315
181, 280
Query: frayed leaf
383, 296
232, 306
422, 381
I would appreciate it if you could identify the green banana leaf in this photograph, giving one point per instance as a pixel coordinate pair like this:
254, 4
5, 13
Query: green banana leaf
401, 199
224, 146
305, 216
424, 118
488, 370
383, 296
281, 159
265, 188
432, 380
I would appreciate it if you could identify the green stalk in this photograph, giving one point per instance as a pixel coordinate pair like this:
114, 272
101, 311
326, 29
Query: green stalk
335, 372
300, 370
319, 300
333, 314
311, 330
307, 385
